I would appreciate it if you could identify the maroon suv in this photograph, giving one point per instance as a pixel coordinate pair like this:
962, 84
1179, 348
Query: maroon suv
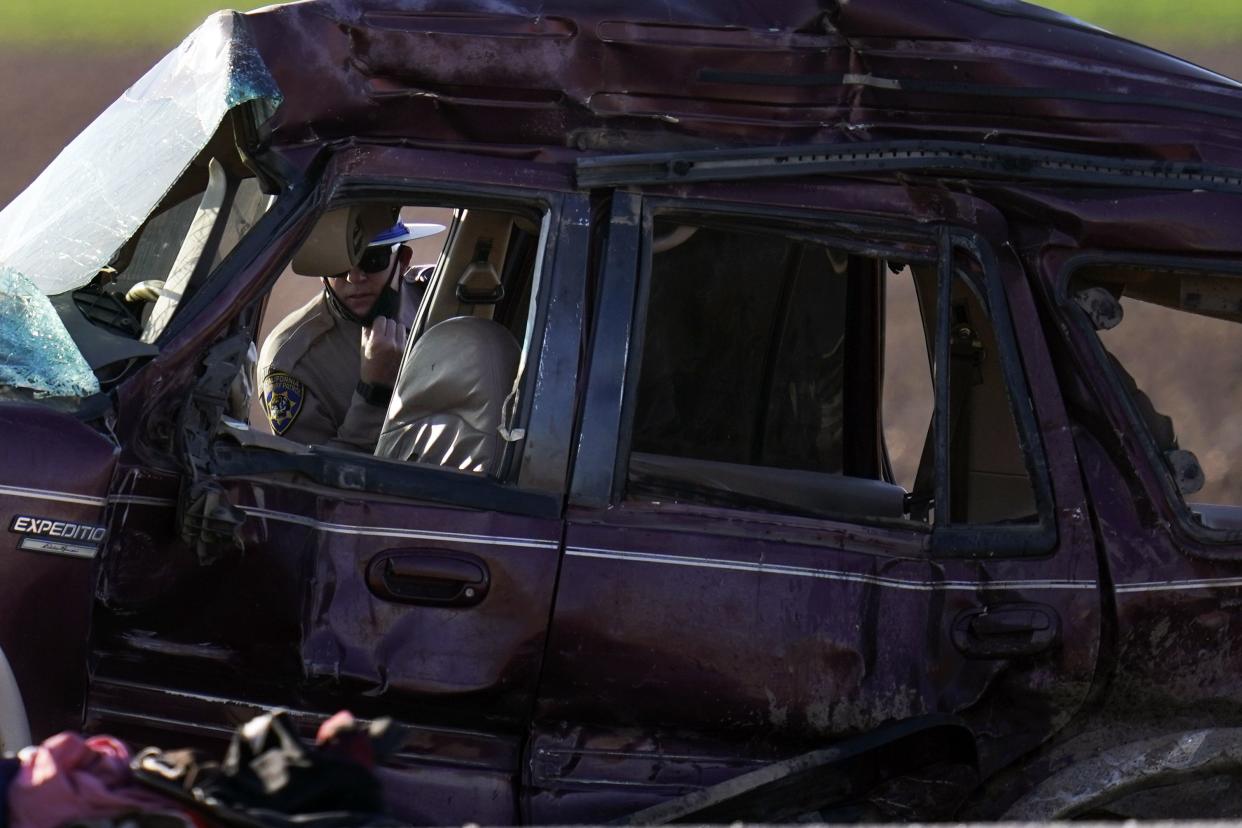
871, 450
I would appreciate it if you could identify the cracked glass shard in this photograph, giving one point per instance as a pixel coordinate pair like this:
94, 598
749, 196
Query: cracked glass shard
70, 222
36, 351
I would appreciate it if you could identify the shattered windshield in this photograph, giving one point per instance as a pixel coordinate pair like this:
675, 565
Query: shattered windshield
67, 226
37, 350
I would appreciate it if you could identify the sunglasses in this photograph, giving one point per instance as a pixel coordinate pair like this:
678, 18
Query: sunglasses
375, 259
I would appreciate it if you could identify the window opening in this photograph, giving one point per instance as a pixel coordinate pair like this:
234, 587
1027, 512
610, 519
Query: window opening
117, 318
124, 302
989, 481
783, 373
440, 398
249, 205
1173, 339
745, 317
744, 393
908, 393
513, 310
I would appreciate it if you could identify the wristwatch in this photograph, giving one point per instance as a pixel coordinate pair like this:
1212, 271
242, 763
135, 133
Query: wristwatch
373, 393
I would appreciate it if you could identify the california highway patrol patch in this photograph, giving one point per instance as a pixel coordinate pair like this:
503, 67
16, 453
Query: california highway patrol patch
282, 399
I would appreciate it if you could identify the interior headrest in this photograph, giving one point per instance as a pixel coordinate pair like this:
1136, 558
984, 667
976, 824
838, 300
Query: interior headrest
339, 238
480, 284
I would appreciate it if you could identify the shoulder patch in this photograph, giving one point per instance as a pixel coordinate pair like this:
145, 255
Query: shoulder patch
283, 396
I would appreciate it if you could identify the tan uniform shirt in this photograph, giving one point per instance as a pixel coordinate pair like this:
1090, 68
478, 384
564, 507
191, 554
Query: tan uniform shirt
307, 374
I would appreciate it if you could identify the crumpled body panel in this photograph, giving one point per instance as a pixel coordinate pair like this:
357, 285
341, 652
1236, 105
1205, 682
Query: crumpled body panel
551, 79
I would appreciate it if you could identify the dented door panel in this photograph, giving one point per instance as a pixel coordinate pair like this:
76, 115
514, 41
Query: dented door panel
785, 636
186, 652
412, 647
240, 578
778, 648
761, 649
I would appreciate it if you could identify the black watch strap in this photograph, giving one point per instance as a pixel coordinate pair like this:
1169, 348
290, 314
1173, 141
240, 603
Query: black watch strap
374, 394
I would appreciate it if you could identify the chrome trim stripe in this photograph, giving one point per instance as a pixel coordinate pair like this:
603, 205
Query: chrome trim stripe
639, 557
396, 532
45, 546
46, 494
140, 500
825, 574
1172, 586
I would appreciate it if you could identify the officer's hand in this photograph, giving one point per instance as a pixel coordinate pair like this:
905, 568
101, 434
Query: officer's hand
382, 346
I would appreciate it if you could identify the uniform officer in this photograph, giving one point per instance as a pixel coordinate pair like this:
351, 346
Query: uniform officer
326, 372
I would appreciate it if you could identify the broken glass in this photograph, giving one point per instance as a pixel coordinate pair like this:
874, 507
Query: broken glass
36, 351
58, 234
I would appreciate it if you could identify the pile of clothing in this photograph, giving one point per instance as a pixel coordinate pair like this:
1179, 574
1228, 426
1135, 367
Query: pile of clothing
269, 778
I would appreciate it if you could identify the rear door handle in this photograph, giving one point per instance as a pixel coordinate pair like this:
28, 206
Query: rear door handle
429, 577
1006, 630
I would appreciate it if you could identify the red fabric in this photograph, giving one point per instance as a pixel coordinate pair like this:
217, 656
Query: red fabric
342, 736
341, 720
69, 777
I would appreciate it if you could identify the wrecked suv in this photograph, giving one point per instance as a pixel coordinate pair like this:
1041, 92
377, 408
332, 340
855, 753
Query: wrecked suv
868, 453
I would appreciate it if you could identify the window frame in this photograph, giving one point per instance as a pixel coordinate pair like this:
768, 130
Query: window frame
884, 240
785, 221
350, 473
645, 287
130, 355
983, 540
1168, 493
290, 208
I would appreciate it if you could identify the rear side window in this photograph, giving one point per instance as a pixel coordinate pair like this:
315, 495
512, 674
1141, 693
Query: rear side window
746, 343
781, 371
1173, 341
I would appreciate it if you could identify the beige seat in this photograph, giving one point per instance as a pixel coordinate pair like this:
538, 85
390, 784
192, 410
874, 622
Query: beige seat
448, 402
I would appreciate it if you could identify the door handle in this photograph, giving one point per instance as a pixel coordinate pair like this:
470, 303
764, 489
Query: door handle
1006, 630
430, 577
